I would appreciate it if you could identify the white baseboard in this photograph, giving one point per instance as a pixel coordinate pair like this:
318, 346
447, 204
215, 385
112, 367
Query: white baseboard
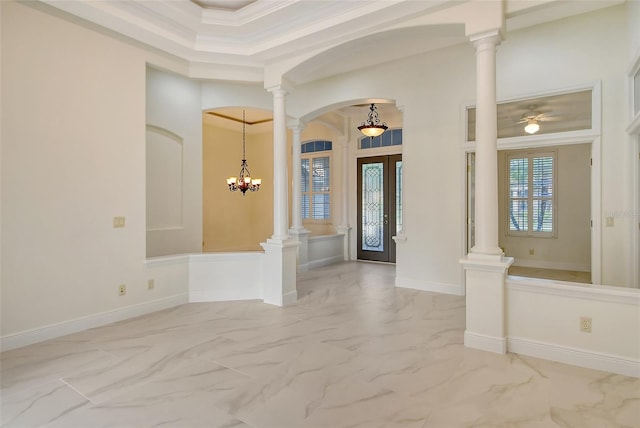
483, 342
435, 287
325, 262
52, 331
303, 267
576, 357
543, 264
290, 298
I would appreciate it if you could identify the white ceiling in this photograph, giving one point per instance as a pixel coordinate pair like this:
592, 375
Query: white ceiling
239, 39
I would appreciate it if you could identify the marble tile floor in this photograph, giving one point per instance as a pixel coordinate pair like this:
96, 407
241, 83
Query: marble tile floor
353, 352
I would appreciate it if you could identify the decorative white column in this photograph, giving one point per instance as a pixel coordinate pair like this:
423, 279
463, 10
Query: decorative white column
280, 252
486, 187
296, 164
343, 228
485, 266
280, 191
297, 231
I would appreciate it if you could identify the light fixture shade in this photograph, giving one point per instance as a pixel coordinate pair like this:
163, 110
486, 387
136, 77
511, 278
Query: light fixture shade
532, 127
372, 130
372, 127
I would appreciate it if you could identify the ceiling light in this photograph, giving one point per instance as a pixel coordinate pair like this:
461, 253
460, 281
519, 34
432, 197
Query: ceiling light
532, 126
244, 182
372, 127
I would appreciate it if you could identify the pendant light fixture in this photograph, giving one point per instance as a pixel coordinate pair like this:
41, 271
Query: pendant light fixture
372, 127
244, 181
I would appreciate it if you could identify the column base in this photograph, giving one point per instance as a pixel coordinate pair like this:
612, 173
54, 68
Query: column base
280, 272
485, 276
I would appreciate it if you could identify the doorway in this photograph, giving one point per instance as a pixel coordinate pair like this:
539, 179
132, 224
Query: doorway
379, 207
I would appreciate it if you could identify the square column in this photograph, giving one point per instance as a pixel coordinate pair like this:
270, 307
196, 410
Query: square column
346, 231
280, 272
301, 236
485, 315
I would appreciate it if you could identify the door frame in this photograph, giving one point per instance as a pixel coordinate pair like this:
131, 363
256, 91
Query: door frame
389, 254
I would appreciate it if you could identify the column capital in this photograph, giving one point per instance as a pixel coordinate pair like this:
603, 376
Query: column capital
281, 89
296, 124
492, 37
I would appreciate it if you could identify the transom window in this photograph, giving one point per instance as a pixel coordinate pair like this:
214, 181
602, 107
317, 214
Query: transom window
531, 198
392, 137
316, 180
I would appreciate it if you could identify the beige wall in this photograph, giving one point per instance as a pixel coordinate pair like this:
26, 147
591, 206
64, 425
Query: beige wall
73, 157
232, 222
571, 248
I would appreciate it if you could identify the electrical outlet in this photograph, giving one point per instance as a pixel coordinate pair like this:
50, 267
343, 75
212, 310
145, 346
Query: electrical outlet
610, 222
531, 251
585, 324
151, 284
122, 289
118, 222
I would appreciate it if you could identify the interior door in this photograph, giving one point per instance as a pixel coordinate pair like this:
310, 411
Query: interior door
379, 206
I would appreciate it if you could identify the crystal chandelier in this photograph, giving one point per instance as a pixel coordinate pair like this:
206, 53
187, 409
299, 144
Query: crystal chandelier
244, 181
372, 127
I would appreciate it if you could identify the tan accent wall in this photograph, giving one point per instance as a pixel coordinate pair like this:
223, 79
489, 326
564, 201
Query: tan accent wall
231, 221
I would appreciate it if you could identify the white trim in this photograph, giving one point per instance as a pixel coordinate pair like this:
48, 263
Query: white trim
634, 224
596, 211
303, 267
64, 328
224, 257
483, 342
320, 238
290, 298
434, 287
166, 229
634, 126
154, 262
379, 151
599, 293
325, 262
574, 356
634, 139
544, 264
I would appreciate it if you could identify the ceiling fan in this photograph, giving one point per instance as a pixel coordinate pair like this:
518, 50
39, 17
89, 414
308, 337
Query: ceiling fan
533, 118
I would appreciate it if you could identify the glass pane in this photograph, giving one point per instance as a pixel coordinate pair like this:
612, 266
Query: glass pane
543, 177
542, 215
518, 215
372, 207
398, 196
305, 174
320, 206
305, 206
321, 174
518, 177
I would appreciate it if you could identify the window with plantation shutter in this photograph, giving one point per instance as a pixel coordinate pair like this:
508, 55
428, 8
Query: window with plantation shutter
531, 199
316, 173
